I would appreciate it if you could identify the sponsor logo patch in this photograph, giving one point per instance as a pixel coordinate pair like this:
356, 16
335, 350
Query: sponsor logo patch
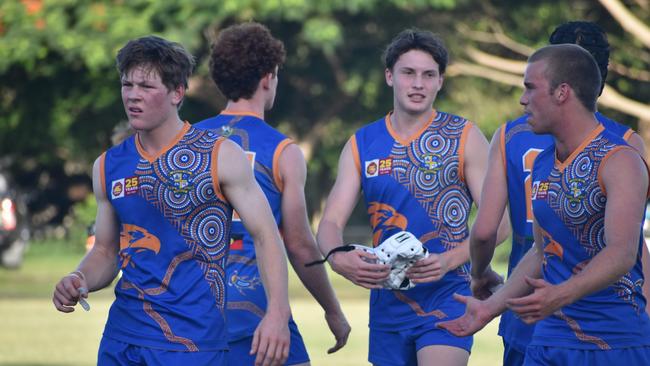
372, 168
124, 187
540, 190
376, 167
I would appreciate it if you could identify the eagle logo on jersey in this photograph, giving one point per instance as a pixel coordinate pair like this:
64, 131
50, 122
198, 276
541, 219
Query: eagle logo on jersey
242, 283
135, 240
576, 190
431, 163
551, 248
384, 217
181, 181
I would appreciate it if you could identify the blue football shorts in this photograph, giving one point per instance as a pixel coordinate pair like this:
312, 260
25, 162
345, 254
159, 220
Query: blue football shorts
400, 347
557, 356
115, 353
238, 355
512, 356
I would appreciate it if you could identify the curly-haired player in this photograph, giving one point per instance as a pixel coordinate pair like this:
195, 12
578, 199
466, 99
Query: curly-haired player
244, 65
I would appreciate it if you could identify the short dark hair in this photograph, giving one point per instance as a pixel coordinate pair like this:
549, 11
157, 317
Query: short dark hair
573, 65
416, 39
241, 56
169, 59
589, 36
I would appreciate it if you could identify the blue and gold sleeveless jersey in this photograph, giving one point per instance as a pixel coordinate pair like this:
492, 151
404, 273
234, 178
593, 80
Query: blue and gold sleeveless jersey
519, 148
417, 186
175, 228
569, 206
263, 145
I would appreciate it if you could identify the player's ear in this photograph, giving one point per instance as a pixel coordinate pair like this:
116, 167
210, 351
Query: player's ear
562, 92
265, 82
178, 94
389, 76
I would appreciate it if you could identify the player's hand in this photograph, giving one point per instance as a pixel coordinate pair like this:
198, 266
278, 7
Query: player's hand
360, 268
271, 340
483, 286
340, 328
543, 302
67, 292
429, 269
475, 318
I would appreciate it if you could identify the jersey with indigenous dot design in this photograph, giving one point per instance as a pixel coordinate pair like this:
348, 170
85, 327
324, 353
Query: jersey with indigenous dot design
569, 206
262, 145
175, 228
416, 185
519, 147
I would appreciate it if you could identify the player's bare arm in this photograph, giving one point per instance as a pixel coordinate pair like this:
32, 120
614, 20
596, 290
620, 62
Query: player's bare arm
625, 181
99, 267
301, 245
354, 264
637, 142
479, 313
271, 338
488, 228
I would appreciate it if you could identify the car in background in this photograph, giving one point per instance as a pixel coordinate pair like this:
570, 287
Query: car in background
14, 225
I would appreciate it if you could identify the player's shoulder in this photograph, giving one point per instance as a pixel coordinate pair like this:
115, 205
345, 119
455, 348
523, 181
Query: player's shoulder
210, 123
612, 126
371, 129
127, 146
517, 123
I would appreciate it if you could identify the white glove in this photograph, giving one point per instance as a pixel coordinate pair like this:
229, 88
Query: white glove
399, 251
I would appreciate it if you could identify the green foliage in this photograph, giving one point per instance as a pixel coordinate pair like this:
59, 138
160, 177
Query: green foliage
59, 96
83, 214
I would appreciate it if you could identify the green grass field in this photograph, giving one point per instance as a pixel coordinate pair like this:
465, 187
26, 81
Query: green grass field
34, 333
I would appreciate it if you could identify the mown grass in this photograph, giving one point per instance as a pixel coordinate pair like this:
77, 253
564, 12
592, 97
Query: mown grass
33, 333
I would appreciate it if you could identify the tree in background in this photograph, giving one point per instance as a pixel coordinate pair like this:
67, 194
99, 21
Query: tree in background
59, 97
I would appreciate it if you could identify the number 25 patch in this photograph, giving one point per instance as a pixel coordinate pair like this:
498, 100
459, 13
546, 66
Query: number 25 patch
124, 187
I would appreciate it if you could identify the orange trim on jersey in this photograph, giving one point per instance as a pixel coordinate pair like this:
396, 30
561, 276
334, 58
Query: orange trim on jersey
242, 113
628, 134
214, 169
416, 307
609, 154
502, 147
461, 151
602, 164
151, 158
562, 165
408, 141
276, 163
102, 172
355, 153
